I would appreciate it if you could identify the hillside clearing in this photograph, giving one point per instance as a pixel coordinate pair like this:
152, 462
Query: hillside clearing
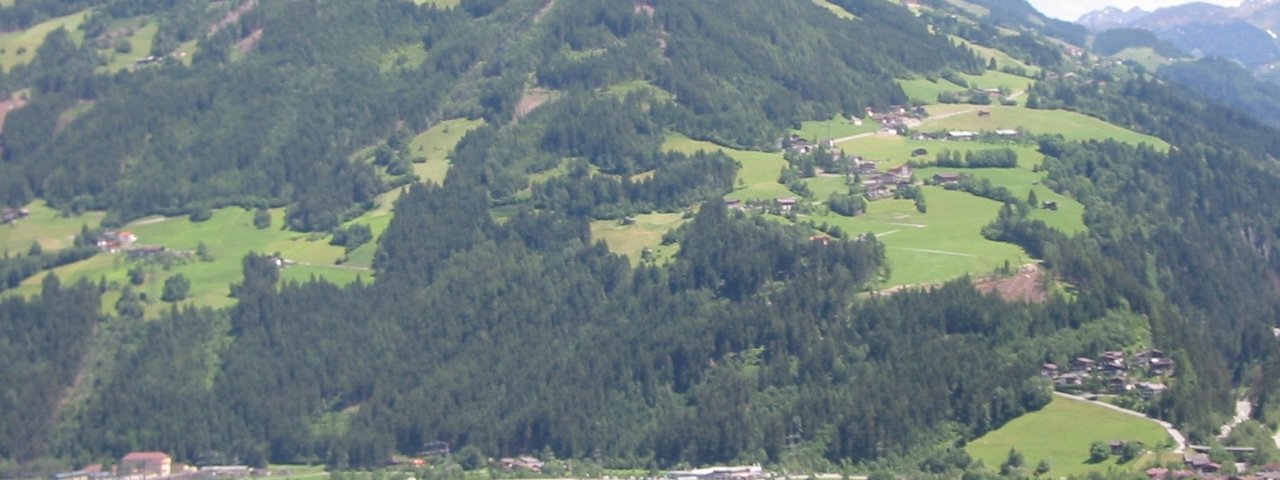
1062, 433
229, 235
933, 247
435, 144
18, 48
1071, 125
758, 177
45, 226
631, 240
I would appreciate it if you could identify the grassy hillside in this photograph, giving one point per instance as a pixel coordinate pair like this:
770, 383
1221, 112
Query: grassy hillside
141, 37
435, 144
758, 177
933, 247
646, 232
45, 226
1071, 125
17, 48
229, 236
1062, 433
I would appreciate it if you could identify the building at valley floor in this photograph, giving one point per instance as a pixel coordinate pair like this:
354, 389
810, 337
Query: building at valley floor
154, 465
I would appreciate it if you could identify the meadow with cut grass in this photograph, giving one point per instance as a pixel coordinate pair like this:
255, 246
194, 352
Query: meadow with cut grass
1062, 433
645, 233
45, 226
835, 9
435, 144
758, 176
228, 236
835, 128
926, 91
18, 48
933, 247
141, 37
1071, 125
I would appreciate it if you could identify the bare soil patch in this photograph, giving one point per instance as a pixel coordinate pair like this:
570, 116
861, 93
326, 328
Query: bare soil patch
246, 44
7, 106
531, 99
233, 16
1025, 286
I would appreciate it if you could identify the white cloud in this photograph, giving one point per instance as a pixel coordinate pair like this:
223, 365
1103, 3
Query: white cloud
1073, 9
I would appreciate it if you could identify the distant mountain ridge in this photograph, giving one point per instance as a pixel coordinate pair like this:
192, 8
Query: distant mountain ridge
1111, 17
1246, 33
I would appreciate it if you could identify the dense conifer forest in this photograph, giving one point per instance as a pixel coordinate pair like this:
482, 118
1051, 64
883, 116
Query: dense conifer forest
497, 323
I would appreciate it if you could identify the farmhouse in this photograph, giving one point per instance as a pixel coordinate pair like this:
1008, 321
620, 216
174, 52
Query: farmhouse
10, 215
1004, 132
1070, 379
901, 174
733, 204
1161, 366
947, 178
1051, 206
961, 135
1082, 364
1049, 370
786, 203
146, 463
878, 192
112, 241
1151, 390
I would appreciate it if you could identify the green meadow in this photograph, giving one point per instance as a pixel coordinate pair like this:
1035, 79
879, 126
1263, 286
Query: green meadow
924, 90
1145, 56
1062, 433
1002, 59
646, 232
1071, 125
758, 177
1069, 217
435, 144
229, 235
625, 88
18, 48
895, 150
140, 42
439, 3
45, 226
836, 9
838, 127
933, 247
995, 79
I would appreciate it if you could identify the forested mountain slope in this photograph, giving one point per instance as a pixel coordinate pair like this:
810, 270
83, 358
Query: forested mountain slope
497, 323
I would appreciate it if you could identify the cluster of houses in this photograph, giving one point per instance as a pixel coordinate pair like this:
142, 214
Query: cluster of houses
1198, 465
897, 119
1116, 370
155, 466
10, 215
777, 206
113, 241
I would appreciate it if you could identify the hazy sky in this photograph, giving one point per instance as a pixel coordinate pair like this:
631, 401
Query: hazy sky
1073, 9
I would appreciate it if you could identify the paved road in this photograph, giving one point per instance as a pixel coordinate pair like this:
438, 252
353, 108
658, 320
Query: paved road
1178, 438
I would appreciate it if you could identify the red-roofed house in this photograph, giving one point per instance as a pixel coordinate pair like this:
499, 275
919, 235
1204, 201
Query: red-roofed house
146, 463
